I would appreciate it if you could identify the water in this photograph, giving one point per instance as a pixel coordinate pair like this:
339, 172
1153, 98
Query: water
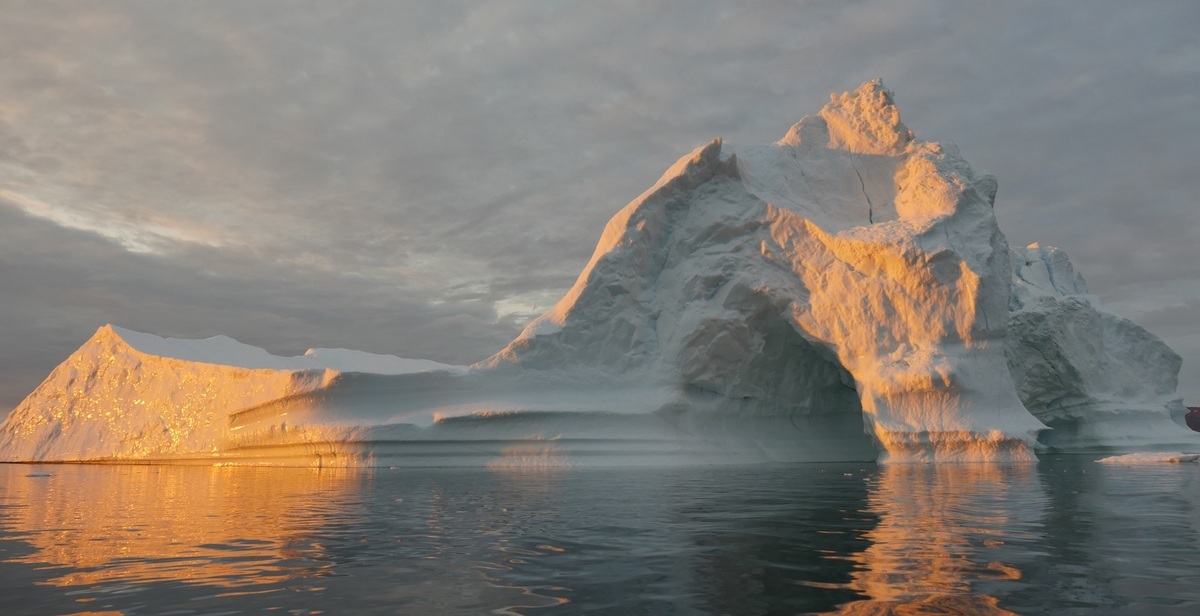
1064, 536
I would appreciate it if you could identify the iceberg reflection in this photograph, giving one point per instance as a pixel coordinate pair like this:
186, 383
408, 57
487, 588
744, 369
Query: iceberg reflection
949, 538
1066, 535
137, 524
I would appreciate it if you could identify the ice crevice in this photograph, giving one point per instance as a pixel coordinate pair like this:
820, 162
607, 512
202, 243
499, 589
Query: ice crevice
863, 186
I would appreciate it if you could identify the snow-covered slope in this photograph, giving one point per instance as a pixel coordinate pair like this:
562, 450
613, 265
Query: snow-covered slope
841, 294
1097, 379
225, 351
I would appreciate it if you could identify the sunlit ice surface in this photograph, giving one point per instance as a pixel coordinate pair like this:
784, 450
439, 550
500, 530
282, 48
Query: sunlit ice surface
1065, 535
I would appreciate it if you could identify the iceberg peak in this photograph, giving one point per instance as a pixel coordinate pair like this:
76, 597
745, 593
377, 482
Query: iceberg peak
865, 121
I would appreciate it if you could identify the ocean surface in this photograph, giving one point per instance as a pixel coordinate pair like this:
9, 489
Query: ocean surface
1063, 536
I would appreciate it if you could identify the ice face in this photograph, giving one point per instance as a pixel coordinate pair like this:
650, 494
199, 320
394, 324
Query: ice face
1097, 379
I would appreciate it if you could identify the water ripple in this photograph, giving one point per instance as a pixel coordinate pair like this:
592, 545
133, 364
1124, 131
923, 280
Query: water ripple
1062, 536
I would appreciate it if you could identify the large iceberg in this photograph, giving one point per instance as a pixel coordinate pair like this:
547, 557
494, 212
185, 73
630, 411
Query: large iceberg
842, 294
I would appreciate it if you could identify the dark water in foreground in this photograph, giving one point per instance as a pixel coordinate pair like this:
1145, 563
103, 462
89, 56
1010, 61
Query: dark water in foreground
1065, 536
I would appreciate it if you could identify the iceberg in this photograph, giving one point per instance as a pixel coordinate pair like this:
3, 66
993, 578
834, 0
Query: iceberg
844, 293
1099, 380
1146, 458
129, 395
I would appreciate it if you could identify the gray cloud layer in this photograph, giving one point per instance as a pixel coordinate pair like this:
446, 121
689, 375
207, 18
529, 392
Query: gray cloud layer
420, 178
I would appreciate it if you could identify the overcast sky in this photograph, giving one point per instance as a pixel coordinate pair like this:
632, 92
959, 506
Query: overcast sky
421, 178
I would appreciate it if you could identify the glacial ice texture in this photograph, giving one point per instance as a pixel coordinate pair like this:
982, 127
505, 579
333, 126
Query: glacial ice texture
1098, 380
846, 269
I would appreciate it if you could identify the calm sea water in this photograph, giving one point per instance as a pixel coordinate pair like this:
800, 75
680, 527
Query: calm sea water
1064, 536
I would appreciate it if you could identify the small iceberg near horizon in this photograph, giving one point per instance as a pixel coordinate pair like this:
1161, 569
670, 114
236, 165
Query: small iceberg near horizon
1150, 457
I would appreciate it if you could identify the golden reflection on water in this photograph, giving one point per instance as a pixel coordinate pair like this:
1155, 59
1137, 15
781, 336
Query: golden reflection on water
940, 541
948, 539
253, 530
134, 524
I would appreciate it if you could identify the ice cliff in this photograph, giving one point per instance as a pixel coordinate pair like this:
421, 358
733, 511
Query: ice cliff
843, 293
1097, 379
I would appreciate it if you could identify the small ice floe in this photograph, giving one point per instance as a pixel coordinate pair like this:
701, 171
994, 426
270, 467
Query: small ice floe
1164, 457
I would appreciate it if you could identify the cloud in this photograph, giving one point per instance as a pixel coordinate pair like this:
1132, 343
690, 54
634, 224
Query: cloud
417, 178
135, 237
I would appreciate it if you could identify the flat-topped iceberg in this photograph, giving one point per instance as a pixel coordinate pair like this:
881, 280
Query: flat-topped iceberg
1148, 457
842, 294
129, 395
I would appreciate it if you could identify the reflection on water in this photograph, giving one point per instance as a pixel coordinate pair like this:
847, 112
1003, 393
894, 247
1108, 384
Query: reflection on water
950, 540
224, 527
1062, 536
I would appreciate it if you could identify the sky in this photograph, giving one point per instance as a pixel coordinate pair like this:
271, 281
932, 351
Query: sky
422, 178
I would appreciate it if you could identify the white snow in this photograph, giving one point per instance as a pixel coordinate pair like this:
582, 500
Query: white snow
1138, 459
225, 351
842, 294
